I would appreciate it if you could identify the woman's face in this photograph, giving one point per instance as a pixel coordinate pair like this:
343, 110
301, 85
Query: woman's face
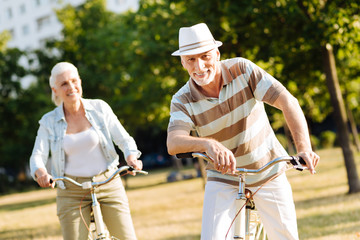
68, 87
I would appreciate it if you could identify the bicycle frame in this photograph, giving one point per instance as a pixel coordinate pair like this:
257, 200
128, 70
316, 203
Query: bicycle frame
242, 221
101, 232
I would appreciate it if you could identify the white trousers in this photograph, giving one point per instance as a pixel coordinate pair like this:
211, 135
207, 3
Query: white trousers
274, 202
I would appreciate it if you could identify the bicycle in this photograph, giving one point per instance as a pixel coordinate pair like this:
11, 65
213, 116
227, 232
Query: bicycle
99, 230
247, 222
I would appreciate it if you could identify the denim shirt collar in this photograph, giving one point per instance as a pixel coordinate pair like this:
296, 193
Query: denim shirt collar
59, 111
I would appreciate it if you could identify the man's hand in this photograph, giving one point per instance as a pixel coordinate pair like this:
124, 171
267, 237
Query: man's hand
224, 159
179, 141
311, 159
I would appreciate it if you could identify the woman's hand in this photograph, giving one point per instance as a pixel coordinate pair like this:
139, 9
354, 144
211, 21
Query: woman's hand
134, 162
43, 178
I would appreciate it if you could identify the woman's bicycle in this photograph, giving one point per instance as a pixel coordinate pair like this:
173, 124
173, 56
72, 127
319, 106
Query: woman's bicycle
99, 230
247, 223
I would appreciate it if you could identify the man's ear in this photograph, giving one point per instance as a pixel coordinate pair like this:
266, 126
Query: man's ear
218, 54
182, 62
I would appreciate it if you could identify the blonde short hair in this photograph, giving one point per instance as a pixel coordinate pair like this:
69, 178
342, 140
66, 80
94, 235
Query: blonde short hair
58, 69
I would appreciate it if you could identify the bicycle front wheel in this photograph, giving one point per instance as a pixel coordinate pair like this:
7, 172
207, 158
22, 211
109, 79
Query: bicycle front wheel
256, 228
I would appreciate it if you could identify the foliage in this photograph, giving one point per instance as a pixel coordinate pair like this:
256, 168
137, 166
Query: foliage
327, 139
130, 53
20, 109
118, 61
126, 60
283, 140
10, 89
315, 142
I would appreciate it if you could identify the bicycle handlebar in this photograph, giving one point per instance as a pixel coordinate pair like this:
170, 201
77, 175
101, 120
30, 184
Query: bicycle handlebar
296, 161
87, 185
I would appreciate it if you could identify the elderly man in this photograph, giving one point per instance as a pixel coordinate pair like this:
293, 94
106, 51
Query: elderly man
223, 104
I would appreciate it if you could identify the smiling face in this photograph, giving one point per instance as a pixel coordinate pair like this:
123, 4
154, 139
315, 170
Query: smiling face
68, 86
203, 67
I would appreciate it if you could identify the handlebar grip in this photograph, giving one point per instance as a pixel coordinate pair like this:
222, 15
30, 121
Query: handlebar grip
132, 169
296, 160
301, 160
185, 155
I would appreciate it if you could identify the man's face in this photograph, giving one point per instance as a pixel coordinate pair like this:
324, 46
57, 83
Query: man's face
202, 67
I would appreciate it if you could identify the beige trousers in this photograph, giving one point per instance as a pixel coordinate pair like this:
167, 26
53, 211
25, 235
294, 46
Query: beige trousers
114, 207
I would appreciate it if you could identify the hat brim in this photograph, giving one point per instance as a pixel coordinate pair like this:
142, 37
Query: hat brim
197, 50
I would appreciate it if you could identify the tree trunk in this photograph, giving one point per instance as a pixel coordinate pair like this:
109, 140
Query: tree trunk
353, 129
340, 118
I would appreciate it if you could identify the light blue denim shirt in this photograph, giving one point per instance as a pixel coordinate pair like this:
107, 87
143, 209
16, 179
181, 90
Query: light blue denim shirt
49, 140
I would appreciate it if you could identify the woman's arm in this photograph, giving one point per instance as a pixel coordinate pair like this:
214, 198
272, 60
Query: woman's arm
40, 153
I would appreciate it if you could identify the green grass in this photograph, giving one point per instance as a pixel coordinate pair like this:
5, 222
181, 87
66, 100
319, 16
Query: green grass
324, 209
164, 211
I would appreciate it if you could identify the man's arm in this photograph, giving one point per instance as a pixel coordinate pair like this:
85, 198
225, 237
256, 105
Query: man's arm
296, 122
180, 141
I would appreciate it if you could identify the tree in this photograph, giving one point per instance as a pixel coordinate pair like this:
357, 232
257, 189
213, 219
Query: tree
341, 118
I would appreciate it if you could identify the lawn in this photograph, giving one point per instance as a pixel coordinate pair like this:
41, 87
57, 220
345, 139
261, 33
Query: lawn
164, 211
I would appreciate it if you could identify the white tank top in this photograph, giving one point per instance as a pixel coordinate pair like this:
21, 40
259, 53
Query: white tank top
84, 157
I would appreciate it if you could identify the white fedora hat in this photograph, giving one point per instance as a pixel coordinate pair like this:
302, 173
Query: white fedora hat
195, 39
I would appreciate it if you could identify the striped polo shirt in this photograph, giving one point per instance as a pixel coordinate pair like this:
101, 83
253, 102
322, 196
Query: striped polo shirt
237, 118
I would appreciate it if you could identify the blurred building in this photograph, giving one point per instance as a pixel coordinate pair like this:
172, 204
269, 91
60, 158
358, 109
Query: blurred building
32, 22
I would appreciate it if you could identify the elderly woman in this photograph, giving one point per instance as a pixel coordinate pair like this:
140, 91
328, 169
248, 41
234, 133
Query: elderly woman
76, 140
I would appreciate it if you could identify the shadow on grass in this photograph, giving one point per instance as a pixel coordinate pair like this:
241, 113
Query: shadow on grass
188, 237
326, 223
330, 187
160, 183
328, 200
24, 205
47, 232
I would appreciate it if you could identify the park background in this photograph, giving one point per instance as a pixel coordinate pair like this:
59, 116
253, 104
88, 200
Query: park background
311, 47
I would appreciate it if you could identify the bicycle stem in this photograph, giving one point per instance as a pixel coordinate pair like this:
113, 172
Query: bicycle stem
240, 203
